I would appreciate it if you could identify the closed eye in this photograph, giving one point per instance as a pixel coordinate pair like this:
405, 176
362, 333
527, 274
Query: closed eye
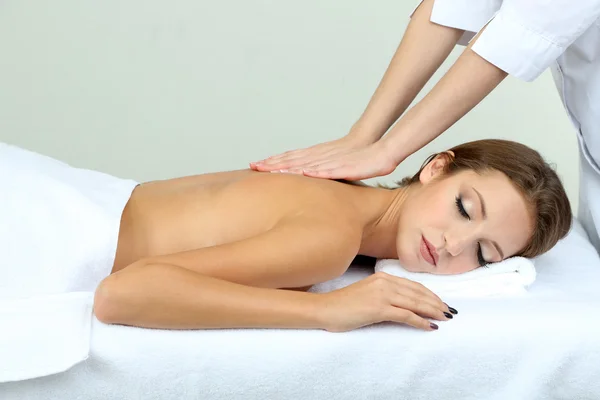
461, 208
480, 259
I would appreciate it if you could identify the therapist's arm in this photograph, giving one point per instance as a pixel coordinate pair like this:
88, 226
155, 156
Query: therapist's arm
424, 47
522, 39
467, 82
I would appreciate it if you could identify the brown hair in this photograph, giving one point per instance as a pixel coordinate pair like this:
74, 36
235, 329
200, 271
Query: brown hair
532, 176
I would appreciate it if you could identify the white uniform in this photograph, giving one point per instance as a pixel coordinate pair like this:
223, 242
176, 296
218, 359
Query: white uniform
523, 38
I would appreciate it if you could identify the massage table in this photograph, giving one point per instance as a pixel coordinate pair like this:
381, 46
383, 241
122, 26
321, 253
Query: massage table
545, 345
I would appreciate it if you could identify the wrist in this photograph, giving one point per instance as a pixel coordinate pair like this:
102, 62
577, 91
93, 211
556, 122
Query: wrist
361, 134
319, 311
391, 149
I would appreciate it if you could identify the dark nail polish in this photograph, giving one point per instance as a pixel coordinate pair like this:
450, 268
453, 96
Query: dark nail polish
433, 326
448, 315
452, 310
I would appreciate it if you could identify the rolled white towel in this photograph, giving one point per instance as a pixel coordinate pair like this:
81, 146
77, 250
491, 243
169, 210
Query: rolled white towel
509, 277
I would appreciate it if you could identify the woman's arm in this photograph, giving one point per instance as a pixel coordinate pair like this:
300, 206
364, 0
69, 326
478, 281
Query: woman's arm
297, 252
203, 288
167, 296
231, 285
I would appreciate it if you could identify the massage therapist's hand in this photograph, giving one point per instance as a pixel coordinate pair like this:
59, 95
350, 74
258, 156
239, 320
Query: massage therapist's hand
346, 158
382, 298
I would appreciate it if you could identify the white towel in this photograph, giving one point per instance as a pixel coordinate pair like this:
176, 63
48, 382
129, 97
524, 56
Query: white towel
59, 227
44, 335
60, 224
509, 277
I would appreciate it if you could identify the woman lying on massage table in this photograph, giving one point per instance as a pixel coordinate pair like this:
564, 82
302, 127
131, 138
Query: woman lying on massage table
224, 250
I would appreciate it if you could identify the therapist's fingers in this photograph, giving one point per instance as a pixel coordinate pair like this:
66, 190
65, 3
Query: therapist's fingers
285, 163
316, 154
272, 163
355, 166
285, 157
336, 170
292, 161
310, 152
310, 156
298, 164
328, 173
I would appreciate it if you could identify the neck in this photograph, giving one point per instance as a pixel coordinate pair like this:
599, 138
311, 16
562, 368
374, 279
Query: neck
379, 235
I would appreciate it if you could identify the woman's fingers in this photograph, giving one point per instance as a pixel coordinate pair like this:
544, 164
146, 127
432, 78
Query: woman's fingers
409, 318
420, 306
419, 293
423, 292
418, 288
382, 298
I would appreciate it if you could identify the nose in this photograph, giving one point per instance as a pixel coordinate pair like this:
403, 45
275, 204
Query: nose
456, 242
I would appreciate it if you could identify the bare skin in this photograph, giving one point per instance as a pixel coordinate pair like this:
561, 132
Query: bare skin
222, 250
195, 212
232, 239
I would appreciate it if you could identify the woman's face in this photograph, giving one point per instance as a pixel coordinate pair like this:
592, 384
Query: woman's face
454, 224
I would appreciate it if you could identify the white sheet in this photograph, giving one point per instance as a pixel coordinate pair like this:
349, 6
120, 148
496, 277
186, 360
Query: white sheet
59, 227
59, 224
545, 346
44, 335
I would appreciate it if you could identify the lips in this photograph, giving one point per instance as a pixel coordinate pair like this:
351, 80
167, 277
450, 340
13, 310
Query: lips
428, 252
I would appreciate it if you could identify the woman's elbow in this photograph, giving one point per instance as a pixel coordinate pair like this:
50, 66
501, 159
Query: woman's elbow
108, 301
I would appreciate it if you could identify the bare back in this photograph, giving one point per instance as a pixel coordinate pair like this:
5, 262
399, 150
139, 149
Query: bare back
194, 212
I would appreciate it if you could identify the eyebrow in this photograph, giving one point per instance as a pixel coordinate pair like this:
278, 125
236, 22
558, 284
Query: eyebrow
482, 203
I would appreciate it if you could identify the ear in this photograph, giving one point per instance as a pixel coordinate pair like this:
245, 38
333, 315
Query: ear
436, 167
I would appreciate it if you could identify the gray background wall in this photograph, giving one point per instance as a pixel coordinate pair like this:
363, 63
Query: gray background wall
155, 89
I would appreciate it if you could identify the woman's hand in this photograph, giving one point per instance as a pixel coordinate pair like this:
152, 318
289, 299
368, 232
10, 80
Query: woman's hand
346, 158
382, 298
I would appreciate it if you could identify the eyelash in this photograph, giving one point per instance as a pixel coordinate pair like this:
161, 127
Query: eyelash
463, 212
461, 208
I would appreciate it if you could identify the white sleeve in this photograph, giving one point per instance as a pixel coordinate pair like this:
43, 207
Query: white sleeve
526, 36
522, 37
467, 15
